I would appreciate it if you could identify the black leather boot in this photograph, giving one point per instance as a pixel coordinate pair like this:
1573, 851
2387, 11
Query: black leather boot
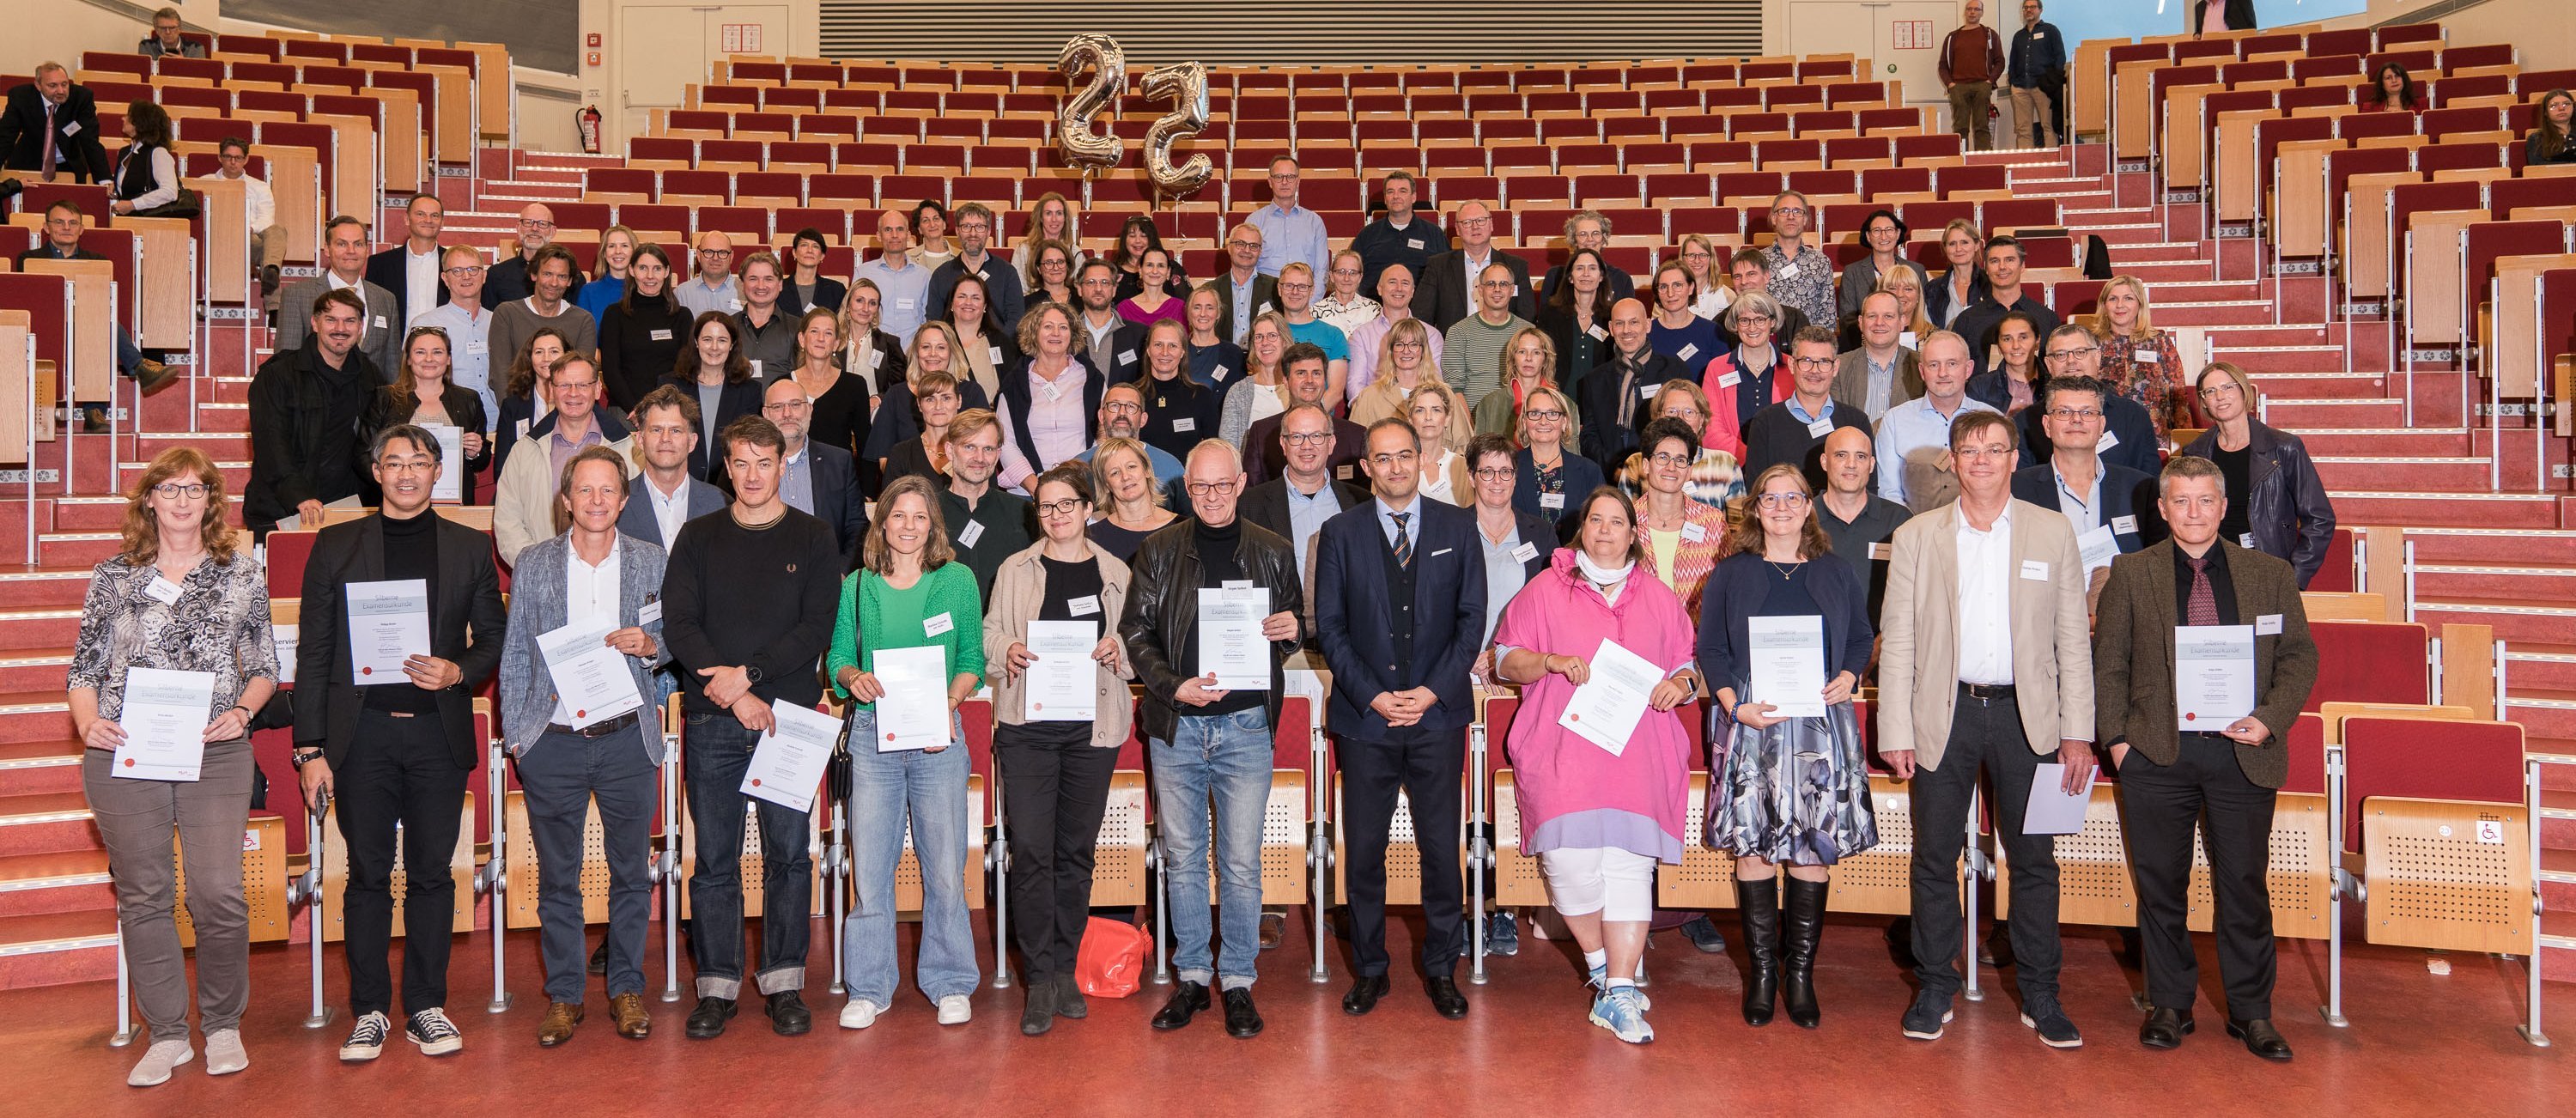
1758, 904
1802, 925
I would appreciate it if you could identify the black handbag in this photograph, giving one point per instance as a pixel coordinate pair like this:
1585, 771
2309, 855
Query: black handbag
187, 205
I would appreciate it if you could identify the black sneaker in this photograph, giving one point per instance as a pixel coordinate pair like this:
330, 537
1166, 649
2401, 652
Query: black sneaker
1502, 935
1703, 934
1925, 1018
788, 1015
2049, 1021
367, 1040
433, 1033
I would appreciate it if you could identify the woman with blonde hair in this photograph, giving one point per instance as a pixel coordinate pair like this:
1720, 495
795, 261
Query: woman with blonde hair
1051, 218
2138, 360
1529, 362
1123, 476
1405, 361
1263, 391
177, 597
1907, 285
1964, 284
2276, 503
867, 352
1435, 410
1699, 259
1549, 477
617, 245
840, 397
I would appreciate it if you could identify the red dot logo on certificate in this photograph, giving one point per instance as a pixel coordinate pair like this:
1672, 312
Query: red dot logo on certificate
755, 782
581, 714
889, 735
1037, 706
1573, 717
129, 762
366, 671
2189, 716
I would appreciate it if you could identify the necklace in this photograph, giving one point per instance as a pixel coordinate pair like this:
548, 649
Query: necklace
1786, 571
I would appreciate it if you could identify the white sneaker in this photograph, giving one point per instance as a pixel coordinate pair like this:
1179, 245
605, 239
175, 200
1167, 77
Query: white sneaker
154, 1068
367, 1038
434, 1033
956, 1009
859, 1014
224, 1054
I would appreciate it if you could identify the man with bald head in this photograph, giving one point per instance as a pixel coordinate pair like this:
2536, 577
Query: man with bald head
713, 287
1914, 437
1857, 522
509, 281
1618, 392
1449, 280
902, 286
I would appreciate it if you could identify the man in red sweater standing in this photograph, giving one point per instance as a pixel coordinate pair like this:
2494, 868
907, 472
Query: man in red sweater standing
1971, 59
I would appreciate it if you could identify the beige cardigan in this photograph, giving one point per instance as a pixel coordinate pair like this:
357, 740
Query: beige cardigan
1018, 590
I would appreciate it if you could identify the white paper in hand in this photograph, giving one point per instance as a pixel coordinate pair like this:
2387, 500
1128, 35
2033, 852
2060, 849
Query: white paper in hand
787, 765
1230, 640
1788, 664
913, 714
2213, 675
1063, 681
2051, 810
164, 718
388, 624
1606, 708
592, 684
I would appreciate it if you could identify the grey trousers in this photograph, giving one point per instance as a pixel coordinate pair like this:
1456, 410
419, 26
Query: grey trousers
137, 819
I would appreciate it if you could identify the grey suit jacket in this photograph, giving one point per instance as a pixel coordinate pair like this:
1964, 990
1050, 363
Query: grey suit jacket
382, 341
1851, 380
638, 519
2052, 639
537, 594
2134, 666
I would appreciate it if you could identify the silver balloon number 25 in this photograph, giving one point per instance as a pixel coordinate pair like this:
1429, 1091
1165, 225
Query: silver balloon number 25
1184, 85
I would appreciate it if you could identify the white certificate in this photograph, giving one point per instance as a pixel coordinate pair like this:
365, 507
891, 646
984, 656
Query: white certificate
1230, 640
787, 764
1605, 710
2051, 810
1063, 683
1788, 660
450, 486
2098, 547
592, 684
388, 623
914, 712
165, 723
2213, 675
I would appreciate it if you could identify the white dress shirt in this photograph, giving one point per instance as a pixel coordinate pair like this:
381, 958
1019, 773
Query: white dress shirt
590, 600
259, 203
1985, 601
669, 510
420, 278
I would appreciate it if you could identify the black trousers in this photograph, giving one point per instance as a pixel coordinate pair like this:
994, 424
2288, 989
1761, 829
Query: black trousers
1055, 788
1984, 735
1430, 771
2158, 805
398, 771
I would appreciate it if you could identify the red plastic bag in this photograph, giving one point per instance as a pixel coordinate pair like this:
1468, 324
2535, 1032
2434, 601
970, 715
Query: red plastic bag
1111, 963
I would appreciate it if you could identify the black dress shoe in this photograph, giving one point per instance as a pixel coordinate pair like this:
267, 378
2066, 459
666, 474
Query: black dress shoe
788, 1015
1445, 997
2261, 1039
2165, 1028
1188, 998
707, 1021
1243, 1022
1365, 991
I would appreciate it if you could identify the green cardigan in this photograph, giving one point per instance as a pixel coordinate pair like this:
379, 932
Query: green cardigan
951, 589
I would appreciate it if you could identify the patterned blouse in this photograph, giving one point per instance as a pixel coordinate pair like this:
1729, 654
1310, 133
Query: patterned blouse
1346, 316
1692, 558
2149, 382
1806, 282
218, 625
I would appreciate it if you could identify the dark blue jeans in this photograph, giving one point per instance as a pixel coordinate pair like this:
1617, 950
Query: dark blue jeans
716, 752
560, 774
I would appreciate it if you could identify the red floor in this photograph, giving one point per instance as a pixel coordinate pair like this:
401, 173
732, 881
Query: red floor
2419, 1044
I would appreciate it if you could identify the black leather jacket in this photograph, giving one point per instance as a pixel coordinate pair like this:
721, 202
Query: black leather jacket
2289, 513
1162, 614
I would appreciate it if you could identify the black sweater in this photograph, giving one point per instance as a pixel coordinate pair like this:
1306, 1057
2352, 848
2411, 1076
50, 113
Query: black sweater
761, 598
638, 346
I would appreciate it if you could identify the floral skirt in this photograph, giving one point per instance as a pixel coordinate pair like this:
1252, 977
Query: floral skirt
1794, 794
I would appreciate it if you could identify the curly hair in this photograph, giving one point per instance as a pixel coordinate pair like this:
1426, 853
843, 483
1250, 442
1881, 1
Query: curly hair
142, 528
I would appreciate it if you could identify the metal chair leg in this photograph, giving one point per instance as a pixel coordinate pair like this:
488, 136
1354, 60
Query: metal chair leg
1973, 991
124, 1034
496, 879
669, 867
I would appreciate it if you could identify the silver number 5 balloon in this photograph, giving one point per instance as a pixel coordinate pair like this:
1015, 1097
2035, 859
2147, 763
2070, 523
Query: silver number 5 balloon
1185, 85
1092, 151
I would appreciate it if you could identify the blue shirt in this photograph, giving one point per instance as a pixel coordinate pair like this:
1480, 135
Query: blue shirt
1336, 345
1212, 366
2083, 510
469, 349
1801, 413
1412, 521
1243, 308
903, 293
1307, 514
1290, 237
796, 481
1694, 345
1911, 427
597, 295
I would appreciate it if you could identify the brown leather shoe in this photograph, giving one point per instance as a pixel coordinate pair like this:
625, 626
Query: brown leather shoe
558, 1025
632, 1022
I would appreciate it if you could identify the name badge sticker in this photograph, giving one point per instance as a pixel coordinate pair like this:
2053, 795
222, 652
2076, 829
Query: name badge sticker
1524, 553
1820, 428
904, 304
661, 335
1342, 473
936, 624
973, 531
1787, 271
649, 613
735, 304
1083, 606
1694, 532
2147, 355
162, 590
1729, 380
1881, 551
2035, 570
2246, 541
1414, 243
876, 360
1646, 392
1126, 357
380, 322
2267, 625
1554, 501
993, 354
1217, 374
2125, 525
2109, 440
1597, 333
1184, 425
1688, 351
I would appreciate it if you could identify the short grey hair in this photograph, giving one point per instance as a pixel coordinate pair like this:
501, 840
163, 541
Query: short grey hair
2189, 466
1232, 453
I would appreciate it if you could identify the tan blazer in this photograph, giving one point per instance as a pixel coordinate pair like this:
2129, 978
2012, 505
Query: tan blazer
1019, 589
1851, 380
2135, 672
2052, 641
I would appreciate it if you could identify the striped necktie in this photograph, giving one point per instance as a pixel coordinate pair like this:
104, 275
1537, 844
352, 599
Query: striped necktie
1403, 545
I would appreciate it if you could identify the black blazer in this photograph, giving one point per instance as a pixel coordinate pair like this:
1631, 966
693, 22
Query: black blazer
463, 405
1621, 284
387, 270
828, 293
2126, 493
740, 398
1540, 535
1128, 342
466, 625
1266, 505
1265, 292
1444, 289
1597, 395
1736, 589
1263, 459
1353, 603
76, 139
899, 418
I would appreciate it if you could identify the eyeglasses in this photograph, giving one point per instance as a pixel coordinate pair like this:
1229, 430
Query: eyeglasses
1784, 500
1398, 458
1495, 473
1211, 488
1308, 286
467, 270
1546, 416
1243, 244
525, 223
1477, 222
2072, 414
1788, 211
1306, 438
1065, 507
1814, 363
2214, 391
1123, 407
2071, 354
1753, 316
1405, 345
1667, 458
1498, 285
172, 491
1982, 452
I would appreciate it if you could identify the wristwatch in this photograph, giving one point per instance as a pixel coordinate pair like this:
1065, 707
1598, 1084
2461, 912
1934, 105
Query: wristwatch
303, 757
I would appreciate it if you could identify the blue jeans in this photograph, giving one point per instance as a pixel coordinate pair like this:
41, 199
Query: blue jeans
885, 789
1226, 756
561, 774
716, 752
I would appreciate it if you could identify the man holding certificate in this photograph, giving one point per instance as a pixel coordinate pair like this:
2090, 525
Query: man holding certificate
907, 647
747, 602
1208, 714
2202, 743
1060, 712
402, 621
1985, 662
1400, 603
576, 681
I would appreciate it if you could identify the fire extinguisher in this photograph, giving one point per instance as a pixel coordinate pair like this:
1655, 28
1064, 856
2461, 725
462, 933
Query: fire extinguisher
588, 117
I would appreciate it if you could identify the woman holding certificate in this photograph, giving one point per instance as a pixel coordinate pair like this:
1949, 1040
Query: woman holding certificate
423, 394
1784, 634
174, 655
906, 637
1060, 711
1602, 657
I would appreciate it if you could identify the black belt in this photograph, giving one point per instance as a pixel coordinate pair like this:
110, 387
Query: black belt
1986, 692
595, 729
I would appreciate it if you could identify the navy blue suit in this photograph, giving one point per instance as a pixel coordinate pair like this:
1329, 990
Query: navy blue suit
1377, 638
2125, 493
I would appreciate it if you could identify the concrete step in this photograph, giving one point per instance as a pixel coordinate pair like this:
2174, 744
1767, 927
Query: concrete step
45, 822
2284, 359
2542, 711
2437, 442
34, 669
2558, 946
2459, 510
47, 949
2505, 547
2535, 582
2431, 474
2302, 415
68, 881
2264, 334
28, 767
101, 513
35, 715
2225, 312
39, 627
2515, 620
75, 548
2557, 757
28, 587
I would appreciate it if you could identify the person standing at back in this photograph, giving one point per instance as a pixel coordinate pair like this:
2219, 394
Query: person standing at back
1972, 59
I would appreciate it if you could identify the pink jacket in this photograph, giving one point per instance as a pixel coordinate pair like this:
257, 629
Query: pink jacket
1574, 794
